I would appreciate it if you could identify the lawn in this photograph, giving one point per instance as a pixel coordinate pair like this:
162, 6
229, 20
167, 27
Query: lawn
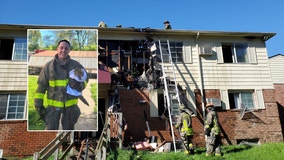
266, 151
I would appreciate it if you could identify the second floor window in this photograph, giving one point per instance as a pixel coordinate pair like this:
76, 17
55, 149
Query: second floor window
20, 49
13, 49
235, 53
176, 49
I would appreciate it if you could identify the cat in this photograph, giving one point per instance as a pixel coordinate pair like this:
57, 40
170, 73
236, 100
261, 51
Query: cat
76, 82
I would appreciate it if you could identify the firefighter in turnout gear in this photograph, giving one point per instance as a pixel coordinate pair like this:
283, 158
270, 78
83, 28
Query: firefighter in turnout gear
184, 125
212, 132
53, 81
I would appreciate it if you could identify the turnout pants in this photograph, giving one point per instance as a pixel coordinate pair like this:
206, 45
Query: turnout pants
213, 145
187, 143
69, 118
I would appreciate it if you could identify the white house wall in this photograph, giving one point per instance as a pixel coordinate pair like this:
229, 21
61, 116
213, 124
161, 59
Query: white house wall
277, 65
226, 75
14, 76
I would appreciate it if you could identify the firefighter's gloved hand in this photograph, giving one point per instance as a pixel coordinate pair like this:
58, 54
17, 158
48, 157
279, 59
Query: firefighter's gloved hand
207, 132
41, 111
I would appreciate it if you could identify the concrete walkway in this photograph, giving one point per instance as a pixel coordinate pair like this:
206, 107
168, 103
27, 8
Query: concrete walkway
88, 118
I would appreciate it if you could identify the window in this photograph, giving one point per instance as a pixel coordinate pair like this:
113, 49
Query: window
176, 49
235, 53
238, 100
20, 49
12, 106
13, 49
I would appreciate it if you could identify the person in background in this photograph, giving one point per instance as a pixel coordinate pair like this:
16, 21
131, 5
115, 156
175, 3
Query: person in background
167, 24
53, 81
184, 125
102, 24
212, 132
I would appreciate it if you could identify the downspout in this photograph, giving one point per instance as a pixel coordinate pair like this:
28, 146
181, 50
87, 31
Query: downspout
200, 75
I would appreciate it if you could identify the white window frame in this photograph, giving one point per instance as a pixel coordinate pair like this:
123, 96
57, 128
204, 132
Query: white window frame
15, 104
20, 52
257, 97
250, 53
239, 100
177, 52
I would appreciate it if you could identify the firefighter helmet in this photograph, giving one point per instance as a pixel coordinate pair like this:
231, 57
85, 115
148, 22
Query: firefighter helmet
209, 105
182, 107
166, 21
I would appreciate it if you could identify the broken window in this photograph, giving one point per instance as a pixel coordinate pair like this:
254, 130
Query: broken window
235, 53
12, 106
241, 99
13, 49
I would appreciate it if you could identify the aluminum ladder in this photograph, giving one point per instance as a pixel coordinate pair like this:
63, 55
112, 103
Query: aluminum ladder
171, 92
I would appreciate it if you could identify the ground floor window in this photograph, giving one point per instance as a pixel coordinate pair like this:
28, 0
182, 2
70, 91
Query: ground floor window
241, 99
12, 105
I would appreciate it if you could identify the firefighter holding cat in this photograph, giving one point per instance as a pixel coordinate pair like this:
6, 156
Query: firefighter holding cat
53, 81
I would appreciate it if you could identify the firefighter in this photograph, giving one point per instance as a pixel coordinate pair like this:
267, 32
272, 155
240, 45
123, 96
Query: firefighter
102, 24
53, 81
167, 24
212, 132
184, 125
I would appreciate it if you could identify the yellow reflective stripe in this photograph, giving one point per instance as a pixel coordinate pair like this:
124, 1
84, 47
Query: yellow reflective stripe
60, 104
71, 102
189, 131
39, 95
58, 83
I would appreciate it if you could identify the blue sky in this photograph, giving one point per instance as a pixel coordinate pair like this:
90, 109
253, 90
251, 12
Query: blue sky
208, 15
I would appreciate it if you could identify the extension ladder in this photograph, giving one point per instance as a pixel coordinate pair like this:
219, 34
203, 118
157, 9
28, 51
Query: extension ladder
171, 92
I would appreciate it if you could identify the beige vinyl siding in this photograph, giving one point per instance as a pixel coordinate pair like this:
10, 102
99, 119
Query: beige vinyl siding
13, 76
253, 75
277, 68
225, 75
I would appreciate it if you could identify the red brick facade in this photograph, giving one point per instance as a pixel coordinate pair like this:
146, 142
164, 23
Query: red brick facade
262, 125
279, 96
16, 141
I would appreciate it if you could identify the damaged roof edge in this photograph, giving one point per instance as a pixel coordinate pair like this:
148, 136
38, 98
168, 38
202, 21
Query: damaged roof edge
264, 35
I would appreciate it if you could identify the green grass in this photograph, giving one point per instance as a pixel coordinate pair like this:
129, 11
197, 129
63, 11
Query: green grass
94, 91
266, 151
33, 118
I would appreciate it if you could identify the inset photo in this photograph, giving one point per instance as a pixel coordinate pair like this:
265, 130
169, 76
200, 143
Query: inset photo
62, 79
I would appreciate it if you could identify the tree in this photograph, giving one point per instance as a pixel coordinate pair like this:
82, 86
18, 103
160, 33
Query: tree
34, 40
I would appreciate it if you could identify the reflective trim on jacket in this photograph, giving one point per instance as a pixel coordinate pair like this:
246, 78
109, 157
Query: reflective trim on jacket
212, 123
54, 79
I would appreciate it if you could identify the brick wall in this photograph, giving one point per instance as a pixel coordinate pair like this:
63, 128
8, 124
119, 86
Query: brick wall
15, 140
263, 125
260, 124
279, 96
133, 113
